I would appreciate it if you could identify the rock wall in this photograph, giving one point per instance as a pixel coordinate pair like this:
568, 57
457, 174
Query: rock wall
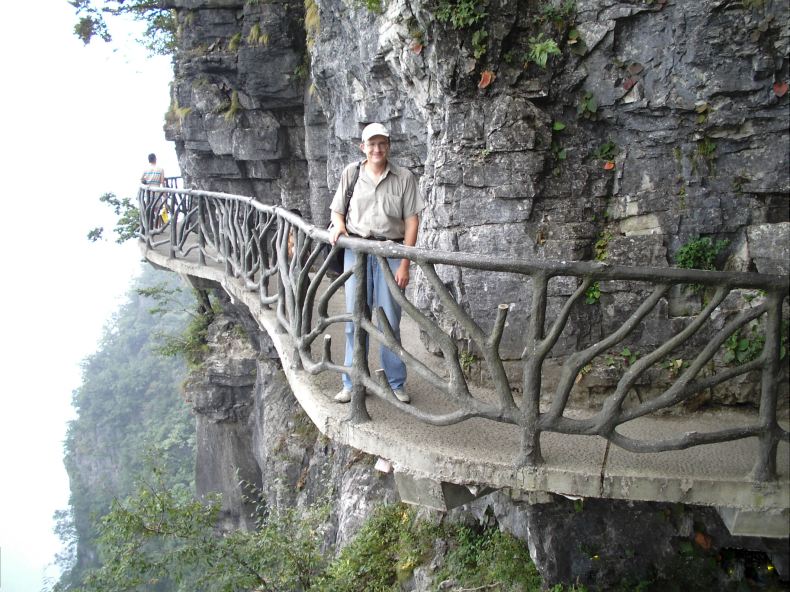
252, 432
615, 544
653, 124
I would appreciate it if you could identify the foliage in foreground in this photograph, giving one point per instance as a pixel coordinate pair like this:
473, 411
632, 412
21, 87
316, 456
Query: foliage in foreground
128, 225
483, 557
163, 539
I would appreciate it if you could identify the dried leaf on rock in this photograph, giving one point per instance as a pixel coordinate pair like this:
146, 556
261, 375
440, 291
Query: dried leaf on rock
486, 78
703, 540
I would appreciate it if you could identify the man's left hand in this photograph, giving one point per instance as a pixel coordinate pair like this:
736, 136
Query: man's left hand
402, 275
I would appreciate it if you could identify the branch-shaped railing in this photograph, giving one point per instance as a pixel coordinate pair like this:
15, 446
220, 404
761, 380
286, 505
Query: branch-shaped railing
282, 257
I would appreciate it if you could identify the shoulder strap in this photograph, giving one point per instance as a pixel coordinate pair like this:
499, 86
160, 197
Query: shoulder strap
351, 185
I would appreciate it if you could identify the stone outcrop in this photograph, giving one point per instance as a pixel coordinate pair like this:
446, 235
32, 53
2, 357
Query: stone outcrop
220, 393
254, 440
655, 123
605, 542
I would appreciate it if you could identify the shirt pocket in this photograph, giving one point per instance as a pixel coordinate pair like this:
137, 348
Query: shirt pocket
391, 206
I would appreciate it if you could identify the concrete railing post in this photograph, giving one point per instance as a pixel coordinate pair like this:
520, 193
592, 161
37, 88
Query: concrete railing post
359, 364
765, 468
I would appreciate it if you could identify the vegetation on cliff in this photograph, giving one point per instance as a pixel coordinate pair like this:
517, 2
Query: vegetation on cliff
129, 412
135, 522
163, 539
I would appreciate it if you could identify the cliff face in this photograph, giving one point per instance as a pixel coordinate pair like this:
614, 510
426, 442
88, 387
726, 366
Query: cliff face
250, 429
655, 123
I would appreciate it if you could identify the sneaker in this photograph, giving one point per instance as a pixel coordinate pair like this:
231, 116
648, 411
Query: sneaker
401, 395
343, 396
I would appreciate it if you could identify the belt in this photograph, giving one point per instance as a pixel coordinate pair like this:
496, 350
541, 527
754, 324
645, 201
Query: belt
377, 238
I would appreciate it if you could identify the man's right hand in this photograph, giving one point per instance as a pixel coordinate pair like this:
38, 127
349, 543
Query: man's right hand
337, 227
335, 231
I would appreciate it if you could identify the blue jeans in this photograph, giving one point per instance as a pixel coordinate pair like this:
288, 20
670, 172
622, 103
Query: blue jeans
378, 296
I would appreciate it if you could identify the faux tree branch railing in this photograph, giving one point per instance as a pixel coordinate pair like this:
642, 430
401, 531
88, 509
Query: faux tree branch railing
276, 253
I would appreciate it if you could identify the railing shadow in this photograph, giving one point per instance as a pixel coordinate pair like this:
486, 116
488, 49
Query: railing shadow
284, 259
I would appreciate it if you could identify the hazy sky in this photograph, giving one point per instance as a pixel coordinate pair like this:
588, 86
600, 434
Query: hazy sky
78, 122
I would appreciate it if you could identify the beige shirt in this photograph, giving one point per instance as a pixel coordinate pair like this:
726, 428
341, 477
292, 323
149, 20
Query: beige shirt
378, 210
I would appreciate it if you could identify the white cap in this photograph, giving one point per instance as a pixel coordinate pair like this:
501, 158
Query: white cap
374, 129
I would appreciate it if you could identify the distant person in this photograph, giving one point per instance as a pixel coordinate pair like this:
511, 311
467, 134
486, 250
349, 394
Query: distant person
384, 205
153, 175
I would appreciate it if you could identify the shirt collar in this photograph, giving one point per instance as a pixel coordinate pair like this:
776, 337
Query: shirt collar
387, 169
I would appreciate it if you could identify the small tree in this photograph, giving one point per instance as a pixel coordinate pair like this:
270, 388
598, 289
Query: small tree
191, 343
128, 225
160, 22
164, 539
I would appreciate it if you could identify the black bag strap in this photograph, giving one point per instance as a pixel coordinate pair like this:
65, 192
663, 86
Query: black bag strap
350, 190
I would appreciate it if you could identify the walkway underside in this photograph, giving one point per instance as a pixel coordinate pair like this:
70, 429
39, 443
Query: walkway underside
447, 466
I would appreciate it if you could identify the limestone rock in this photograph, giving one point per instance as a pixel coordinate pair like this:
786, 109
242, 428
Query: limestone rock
769, 247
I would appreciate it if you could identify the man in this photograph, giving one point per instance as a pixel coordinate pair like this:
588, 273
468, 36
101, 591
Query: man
385, 205
153, 175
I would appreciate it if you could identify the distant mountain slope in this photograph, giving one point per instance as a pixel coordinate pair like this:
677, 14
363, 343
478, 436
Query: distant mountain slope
131, 415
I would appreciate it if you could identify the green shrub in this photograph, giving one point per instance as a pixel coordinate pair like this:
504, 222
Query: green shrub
127, 226
741, 348
461, 14
467, 360
374, 6
385, 551
606, 151
601, 246
588, 107
540, 49
487, 557
479, 44
191, 345
560, 13
700, 253
593, 293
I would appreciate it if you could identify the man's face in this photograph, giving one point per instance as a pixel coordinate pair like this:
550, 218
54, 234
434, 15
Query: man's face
376, 149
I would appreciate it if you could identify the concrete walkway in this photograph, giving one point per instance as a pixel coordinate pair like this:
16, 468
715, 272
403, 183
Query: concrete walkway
444, 466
